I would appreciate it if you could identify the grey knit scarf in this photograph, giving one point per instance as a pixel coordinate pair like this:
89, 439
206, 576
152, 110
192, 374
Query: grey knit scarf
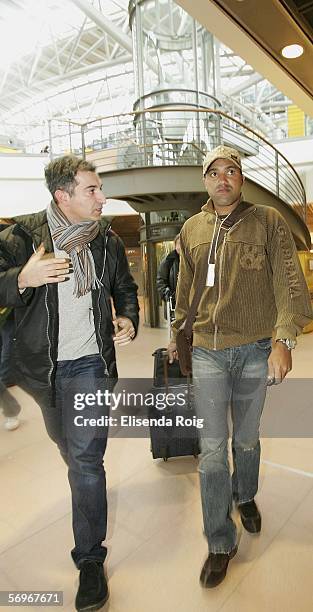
74, 239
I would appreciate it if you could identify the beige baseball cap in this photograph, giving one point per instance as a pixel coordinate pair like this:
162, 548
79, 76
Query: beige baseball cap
221, 152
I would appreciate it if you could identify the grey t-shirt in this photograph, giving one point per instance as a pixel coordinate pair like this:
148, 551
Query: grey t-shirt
77, 336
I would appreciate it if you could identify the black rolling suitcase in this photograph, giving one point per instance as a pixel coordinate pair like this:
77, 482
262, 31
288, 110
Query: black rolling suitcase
173, 439
173, 430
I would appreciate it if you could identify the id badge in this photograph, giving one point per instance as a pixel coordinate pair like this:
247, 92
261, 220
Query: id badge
211, 275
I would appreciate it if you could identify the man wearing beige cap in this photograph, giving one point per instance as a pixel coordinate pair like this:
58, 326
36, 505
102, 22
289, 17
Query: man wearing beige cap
254, 285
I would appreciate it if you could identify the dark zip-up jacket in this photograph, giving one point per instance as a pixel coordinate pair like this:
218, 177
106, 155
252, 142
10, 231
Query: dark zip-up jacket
168, 274
36, 309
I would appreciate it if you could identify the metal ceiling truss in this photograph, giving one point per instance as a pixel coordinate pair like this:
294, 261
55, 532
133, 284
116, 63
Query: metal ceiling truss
88, 52
89, 48
50, 93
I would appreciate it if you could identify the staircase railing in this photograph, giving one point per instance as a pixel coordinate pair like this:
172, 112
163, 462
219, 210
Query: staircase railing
173, 135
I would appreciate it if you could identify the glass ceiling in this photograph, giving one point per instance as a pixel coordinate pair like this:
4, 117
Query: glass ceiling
58, 62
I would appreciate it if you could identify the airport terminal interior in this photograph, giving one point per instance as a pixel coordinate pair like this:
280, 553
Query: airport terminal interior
155, 539
143, 89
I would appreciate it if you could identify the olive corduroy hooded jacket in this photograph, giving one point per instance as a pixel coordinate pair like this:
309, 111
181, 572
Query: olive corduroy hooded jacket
259, 284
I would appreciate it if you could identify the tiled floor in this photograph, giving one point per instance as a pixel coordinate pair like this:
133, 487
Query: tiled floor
155, 540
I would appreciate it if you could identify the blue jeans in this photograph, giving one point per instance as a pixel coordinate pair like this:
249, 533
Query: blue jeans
235, 377
82, 448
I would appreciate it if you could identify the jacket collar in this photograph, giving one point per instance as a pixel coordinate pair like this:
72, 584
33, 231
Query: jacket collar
244, 208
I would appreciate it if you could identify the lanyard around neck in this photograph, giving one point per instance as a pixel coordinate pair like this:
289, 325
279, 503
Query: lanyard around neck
215, 237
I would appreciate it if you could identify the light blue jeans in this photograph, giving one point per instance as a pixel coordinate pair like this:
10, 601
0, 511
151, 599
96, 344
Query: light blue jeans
234, 377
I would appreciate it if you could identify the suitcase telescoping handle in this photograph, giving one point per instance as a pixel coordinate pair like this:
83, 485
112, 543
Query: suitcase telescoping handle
170, 315
168, 318
166, 377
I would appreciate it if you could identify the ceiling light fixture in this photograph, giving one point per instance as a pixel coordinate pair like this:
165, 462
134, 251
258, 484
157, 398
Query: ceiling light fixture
292, 51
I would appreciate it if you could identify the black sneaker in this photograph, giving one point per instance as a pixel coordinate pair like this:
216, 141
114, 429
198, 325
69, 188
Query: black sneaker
93, 589
215, 568
250, 516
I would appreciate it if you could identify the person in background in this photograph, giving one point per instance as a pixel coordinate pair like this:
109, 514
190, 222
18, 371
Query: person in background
168, 274
8, 403
59, 269
11, 408
254, 284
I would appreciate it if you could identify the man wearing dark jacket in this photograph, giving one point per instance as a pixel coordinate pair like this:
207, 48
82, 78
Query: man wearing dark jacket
168, 274
59, 269
8, 403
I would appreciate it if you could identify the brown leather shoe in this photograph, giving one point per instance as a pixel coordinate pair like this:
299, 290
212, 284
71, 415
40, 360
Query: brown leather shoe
215, 568
250, 516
